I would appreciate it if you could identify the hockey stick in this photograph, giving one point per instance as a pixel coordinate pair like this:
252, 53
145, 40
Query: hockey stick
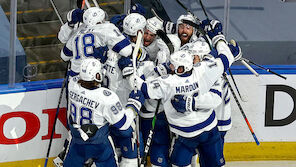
187, 10
232, 91
242, 111
230, 73
242, 61
88, 4
151, 132
56, 11
57, 113
134, 57
263, 68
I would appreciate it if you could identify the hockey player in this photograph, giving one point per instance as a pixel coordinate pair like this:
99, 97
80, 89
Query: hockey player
193, 129
91, 39
115, 80
201, 51
186, 32
92, 108
157, 49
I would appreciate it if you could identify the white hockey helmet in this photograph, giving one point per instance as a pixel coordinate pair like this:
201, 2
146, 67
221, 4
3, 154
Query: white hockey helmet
132, 23
199, 48
183, 59
93, 16
90, 67
154, 24
188, 17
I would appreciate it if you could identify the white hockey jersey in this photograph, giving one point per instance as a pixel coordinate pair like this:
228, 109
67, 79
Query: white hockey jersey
113, 77
189, 124
223, 111
97, 106
82, 43
146, 70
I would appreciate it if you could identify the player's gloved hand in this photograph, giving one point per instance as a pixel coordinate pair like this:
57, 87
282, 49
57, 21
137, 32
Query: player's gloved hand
138, 8
135, 100
118, 21
126, 66
163, 69
235, 50
74, 16
214, 30
169, 27
101, 53
184, 103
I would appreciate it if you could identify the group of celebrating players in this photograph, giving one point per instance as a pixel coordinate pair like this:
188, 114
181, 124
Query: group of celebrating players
177, 80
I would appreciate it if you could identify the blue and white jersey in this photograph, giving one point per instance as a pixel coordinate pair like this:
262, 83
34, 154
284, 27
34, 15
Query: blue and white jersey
98, 106
113, 77
223, 111
83, 43
188, 124
146, 71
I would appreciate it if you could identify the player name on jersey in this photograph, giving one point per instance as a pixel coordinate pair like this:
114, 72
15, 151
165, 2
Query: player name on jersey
83, 100
186, 88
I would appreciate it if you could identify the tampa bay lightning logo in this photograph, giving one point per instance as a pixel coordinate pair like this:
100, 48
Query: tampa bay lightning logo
106, 92
183, 55
164, 76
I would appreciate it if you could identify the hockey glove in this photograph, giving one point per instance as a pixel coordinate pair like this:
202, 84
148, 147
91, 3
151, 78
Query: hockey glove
126, 66
184, 103
135, 101
74, 16
138, 8
235, 50
163, 69
101, 53
214, 30
118, 21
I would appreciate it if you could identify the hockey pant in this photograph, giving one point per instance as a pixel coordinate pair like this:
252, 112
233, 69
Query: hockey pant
159, 149
208, 145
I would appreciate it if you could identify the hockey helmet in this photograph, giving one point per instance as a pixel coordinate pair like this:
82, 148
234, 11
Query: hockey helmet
133, 23
90, 67
183, 59
199, 48
93, 16
188, 17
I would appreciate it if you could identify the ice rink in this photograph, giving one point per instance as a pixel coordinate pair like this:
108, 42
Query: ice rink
261, 164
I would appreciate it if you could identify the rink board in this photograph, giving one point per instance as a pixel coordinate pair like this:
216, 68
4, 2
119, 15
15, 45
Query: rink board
27, 113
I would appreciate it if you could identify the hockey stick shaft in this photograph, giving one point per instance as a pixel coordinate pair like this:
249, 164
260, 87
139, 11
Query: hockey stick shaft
57, 114
151, 132
235, 84
263, 68
134, 57
56, 11
249, 67
242, 111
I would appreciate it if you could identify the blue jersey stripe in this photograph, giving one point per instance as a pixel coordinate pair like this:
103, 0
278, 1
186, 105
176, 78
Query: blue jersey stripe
120, 45
224, 122
216, 91
72, 73
120, 123
196, 126
67, 52
224, 61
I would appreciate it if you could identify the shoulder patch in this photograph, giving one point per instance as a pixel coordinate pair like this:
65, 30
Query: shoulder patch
164, 76
106, 92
